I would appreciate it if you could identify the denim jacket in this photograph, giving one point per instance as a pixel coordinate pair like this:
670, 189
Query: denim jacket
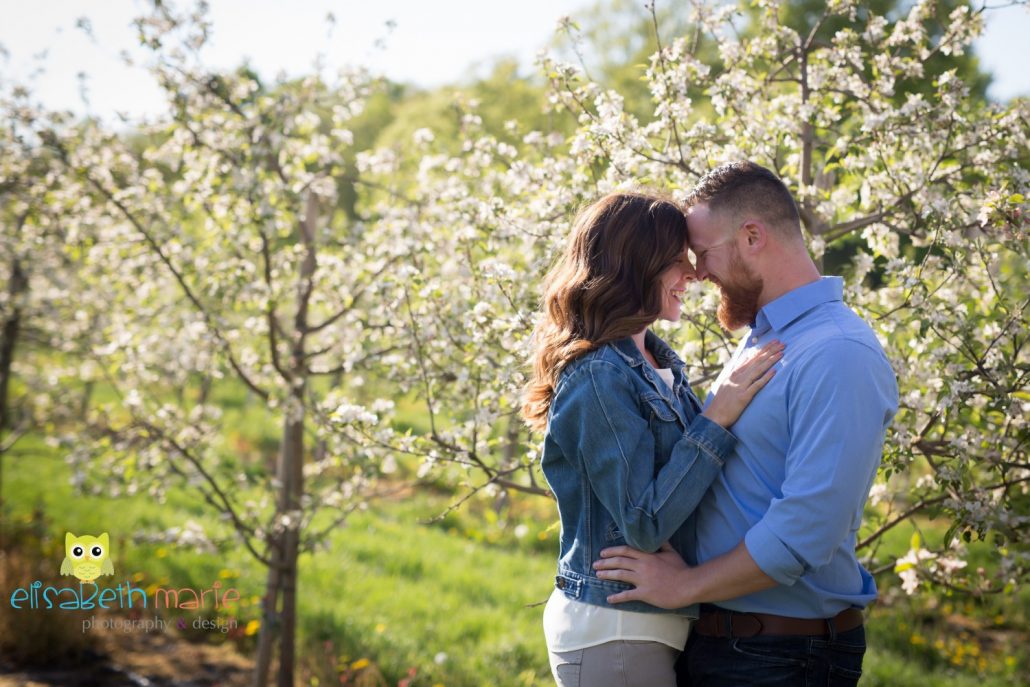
628, 460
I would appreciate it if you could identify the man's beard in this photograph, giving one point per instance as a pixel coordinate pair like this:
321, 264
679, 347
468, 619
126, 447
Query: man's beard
739, 303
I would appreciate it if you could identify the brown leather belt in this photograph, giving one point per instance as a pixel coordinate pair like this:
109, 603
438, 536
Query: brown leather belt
716, 622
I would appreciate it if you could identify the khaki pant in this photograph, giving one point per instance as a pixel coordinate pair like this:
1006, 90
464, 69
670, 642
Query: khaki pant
624, 663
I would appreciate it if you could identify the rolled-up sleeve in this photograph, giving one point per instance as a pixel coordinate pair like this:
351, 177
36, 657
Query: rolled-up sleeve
839, 405
602, 425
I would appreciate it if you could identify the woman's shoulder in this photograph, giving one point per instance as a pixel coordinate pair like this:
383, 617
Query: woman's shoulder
604, 360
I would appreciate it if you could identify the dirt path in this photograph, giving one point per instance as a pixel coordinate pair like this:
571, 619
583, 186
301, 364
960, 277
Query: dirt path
144, 659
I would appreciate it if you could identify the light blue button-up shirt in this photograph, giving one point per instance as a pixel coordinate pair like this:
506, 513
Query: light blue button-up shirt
808, 449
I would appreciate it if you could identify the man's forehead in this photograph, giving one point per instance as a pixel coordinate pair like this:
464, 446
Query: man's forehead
699, 225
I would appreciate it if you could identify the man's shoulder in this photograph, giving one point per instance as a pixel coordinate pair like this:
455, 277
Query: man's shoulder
839, 345
836, 330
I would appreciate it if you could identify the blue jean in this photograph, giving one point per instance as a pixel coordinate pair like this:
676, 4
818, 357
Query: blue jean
794, 661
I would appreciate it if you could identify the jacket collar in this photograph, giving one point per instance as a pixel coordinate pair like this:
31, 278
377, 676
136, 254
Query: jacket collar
665, 357
663, 354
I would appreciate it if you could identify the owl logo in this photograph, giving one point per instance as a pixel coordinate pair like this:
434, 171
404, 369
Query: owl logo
86, 557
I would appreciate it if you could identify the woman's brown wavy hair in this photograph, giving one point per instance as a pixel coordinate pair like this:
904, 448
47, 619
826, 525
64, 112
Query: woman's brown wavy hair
604, 287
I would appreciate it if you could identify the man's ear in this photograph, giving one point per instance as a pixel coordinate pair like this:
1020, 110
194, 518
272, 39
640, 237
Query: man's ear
755, 235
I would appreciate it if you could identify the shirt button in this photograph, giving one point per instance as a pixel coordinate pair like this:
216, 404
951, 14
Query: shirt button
754, 340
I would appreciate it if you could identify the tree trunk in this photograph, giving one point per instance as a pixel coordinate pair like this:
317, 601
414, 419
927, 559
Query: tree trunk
290, 470
281, 623
18, 285
269, 617
205, 390
87, 396
292, 477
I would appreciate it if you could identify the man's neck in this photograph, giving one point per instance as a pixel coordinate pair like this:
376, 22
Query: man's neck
787, 276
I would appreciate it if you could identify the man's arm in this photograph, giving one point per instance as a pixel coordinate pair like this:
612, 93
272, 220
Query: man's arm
839, 403
842, 400
662, 579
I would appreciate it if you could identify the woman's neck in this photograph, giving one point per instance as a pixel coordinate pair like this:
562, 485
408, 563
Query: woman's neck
640, 340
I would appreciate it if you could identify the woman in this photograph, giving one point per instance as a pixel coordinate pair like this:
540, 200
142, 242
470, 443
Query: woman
628, 452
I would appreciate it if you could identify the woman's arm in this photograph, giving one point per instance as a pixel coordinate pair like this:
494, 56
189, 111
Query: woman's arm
597, 421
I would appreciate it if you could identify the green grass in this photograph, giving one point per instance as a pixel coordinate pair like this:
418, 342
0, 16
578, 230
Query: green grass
404, 594
448, 599
391, 590
913, 650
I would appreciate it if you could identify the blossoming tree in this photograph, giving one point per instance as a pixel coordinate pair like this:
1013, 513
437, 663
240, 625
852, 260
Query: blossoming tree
212, 251
907, 184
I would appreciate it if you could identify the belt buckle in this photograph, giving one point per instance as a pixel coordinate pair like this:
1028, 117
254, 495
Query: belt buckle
751, 626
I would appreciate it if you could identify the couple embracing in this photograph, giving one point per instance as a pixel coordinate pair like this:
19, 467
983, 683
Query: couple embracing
706, 544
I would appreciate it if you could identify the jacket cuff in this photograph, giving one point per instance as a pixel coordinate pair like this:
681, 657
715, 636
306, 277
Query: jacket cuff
712, 437
773, 556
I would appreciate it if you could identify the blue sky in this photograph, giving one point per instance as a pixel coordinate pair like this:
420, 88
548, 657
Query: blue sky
431, 43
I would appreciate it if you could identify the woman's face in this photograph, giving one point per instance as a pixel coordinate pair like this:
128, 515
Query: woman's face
674, 281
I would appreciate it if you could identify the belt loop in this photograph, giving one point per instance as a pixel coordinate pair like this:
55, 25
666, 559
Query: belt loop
832, 625
727, 622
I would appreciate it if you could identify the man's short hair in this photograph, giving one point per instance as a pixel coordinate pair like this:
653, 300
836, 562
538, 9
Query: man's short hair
746, 188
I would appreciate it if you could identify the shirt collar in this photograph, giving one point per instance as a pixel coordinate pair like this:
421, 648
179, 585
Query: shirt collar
793, 304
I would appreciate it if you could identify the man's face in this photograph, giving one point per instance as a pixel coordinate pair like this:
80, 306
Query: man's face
713, 240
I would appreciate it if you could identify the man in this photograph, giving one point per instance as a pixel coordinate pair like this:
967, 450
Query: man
777, 576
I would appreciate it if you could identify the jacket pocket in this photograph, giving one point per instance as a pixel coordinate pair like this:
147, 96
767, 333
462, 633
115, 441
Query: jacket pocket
658, 406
